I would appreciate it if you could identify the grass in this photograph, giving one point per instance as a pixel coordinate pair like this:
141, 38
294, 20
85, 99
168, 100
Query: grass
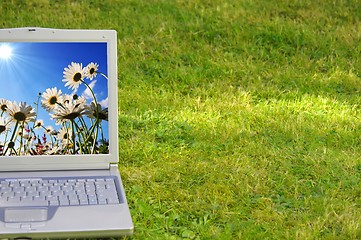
237, 119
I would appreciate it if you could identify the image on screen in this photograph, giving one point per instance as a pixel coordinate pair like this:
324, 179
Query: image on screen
53, 98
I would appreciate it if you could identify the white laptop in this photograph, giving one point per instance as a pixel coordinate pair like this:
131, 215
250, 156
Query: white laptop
59, 135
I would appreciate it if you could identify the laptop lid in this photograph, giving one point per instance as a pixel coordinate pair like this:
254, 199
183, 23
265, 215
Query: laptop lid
58, 99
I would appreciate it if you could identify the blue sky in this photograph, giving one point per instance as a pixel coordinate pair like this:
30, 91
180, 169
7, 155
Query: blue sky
31, 68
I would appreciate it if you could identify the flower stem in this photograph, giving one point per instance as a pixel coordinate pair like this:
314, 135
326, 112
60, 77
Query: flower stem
37, 110
91, 90
12, 136
95, 138
21, 139
81, 134
73, 135
97, 118
103, 75
16, 126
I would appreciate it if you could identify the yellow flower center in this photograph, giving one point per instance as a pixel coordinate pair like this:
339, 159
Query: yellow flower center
19, 116
53, 100
77, 77
3, 107
2, 128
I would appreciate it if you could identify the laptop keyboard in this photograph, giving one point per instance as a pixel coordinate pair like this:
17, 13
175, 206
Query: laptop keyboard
58, 192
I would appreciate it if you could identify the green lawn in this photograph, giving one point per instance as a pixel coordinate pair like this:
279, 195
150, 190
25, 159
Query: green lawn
238, 119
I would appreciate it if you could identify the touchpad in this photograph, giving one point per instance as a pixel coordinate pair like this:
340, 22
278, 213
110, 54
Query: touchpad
26, 214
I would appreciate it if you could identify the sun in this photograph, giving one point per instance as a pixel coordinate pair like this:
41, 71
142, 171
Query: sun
5, 51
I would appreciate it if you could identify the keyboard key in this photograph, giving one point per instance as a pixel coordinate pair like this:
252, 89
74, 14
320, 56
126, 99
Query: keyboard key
54, 203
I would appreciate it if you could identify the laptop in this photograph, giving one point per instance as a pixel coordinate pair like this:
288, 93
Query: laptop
59, 174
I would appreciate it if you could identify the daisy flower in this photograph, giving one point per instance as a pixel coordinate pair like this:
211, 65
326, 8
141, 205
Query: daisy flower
65, 135
50, 98
73, 75
39, 123
4, 125
69, 111
91, 70
97, 112
49, 130
4, 104
21, 112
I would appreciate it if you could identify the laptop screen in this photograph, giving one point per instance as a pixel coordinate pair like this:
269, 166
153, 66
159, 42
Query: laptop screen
54, 98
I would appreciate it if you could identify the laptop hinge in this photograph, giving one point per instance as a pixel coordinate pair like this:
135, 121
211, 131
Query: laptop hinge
113, 166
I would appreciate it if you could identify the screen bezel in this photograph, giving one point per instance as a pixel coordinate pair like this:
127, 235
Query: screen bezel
80, 161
